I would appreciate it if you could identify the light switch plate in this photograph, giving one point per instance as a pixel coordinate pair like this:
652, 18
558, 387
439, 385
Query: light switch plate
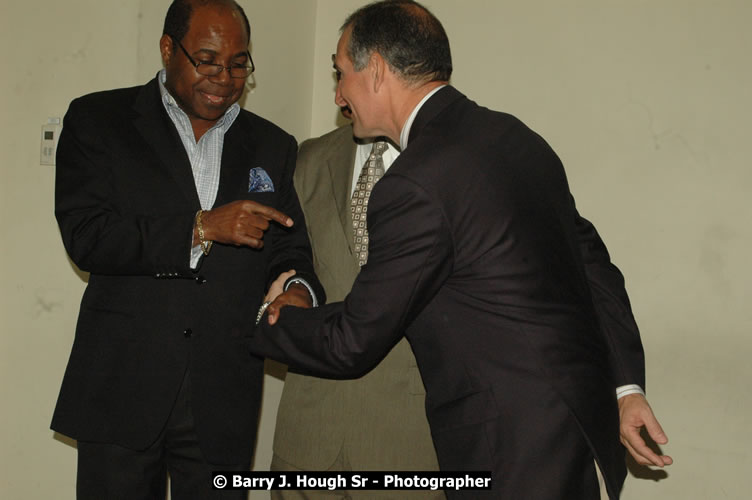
50, 135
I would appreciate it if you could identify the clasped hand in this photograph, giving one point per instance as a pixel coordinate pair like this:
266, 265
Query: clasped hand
296, 295
243, 223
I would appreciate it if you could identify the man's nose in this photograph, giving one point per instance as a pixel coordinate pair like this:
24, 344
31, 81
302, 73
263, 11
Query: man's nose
338, 100
223, 77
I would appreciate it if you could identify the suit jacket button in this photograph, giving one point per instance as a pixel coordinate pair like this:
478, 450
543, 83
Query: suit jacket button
187, 332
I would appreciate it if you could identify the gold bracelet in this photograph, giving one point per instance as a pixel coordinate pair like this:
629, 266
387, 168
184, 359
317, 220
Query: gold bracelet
205, 246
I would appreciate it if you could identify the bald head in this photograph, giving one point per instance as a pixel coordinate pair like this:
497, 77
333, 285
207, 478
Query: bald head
178, 18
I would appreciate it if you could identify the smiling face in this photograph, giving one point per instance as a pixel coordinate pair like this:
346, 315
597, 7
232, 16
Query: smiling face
216, 35
355, 90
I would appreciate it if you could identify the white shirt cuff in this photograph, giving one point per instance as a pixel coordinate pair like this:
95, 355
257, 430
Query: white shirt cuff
196, 254
626, 390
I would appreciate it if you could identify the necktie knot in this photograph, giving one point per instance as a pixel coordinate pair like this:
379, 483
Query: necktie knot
377, 151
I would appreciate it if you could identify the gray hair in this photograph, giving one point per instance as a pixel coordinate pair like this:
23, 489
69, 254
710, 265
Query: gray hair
407, 35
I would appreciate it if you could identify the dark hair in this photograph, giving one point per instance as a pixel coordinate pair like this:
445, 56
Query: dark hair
178, 18
406, 34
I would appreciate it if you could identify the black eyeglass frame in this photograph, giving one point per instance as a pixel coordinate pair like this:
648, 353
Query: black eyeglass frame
221, 67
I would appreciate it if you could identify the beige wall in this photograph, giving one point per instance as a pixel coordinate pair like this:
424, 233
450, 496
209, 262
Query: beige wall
647, 103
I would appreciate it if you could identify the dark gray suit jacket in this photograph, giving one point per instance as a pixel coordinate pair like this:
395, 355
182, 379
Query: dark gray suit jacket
520, 324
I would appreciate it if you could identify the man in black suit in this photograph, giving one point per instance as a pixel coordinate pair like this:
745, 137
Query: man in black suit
520, 324
181, 207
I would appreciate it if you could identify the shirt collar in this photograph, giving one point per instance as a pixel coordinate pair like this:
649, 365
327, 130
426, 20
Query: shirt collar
410, 119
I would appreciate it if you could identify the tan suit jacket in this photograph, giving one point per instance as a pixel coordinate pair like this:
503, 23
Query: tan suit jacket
378, 421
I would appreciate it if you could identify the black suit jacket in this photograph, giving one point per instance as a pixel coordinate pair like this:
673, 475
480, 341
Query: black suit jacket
519, 322
125, 203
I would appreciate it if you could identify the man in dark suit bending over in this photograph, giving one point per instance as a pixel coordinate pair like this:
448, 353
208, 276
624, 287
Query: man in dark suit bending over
520, 324
181, 206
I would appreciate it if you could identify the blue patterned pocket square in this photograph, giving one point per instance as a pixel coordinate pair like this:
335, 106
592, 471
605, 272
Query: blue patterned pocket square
259, 181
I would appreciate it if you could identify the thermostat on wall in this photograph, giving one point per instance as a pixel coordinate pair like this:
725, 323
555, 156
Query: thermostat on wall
50, 135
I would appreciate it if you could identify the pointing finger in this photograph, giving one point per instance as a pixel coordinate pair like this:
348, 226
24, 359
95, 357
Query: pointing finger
270, 213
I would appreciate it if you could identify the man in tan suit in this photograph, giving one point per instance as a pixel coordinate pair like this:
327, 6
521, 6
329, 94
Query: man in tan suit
378, 421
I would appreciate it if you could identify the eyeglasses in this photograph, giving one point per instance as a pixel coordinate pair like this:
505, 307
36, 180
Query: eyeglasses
211, 69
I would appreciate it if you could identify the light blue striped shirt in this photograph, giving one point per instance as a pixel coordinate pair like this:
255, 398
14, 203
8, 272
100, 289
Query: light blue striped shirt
205, 155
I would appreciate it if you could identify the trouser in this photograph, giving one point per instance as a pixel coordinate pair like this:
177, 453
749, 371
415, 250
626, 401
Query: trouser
110, 472
341, 464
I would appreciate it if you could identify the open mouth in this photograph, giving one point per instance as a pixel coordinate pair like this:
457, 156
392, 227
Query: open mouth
214, 99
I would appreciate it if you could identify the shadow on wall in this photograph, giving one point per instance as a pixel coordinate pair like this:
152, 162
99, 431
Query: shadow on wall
642, 471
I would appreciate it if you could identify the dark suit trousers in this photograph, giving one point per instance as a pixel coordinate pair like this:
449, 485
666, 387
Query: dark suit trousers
528, 459
108, 471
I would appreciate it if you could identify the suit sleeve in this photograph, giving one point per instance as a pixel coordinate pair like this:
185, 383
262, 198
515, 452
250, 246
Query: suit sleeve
292, 248
98, 233
612, 307
410, 256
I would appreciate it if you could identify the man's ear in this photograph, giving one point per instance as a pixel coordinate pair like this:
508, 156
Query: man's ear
377, 66
166, 49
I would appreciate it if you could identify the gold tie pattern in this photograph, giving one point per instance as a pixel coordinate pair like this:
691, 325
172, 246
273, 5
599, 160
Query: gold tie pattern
372, 172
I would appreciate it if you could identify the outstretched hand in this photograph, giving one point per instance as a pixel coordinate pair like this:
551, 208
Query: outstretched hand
634, 414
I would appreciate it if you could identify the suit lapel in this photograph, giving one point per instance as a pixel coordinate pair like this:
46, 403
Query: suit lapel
159, 132
340, 165
238, 153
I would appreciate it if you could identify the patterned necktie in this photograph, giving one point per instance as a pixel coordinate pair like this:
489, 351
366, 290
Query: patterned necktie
372, 172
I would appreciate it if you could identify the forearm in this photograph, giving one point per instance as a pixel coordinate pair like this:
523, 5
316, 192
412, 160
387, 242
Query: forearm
322, 342
612, 308
404, 272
